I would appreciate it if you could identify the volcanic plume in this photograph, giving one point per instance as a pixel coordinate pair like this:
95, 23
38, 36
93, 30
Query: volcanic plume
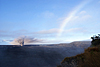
25, 40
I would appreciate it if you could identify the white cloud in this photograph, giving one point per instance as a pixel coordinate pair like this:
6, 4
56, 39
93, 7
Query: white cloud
13, 34
50, 31
81, 16
53, 32
48, 36
56, 31
73, 30
7, 40
78, 31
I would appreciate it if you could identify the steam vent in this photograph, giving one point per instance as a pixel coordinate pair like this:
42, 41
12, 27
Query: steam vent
22, 43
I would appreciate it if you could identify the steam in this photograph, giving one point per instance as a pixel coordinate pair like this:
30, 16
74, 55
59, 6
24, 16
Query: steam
25, 40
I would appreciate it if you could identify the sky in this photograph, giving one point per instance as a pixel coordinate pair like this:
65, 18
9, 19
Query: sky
48, 21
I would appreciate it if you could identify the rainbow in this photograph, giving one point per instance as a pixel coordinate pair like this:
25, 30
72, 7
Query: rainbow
71, 15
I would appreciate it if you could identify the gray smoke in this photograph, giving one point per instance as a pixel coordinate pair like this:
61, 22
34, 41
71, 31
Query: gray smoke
25, 40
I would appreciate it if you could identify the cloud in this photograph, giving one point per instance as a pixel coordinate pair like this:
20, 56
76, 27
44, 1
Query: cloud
50, 31
13, 34
74, 30
7, 40
7, 35
4, 33
39, 34
27, 40
78, 31
80, 17
53, 32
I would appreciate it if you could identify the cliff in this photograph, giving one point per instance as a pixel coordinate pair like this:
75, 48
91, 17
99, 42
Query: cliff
90, 57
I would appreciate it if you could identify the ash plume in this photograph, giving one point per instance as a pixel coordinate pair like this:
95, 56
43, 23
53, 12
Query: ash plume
25, 40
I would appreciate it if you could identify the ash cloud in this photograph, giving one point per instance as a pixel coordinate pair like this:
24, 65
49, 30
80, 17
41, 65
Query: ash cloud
26, 40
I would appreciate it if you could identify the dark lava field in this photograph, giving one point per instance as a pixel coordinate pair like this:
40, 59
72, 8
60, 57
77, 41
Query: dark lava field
35, 56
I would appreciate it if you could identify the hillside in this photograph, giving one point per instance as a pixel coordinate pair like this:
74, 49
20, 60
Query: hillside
90, 57
81, 44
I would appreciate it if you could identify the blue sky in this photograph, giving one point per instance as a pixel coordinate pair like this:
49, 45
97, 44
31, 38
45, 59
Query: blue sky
52, 21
